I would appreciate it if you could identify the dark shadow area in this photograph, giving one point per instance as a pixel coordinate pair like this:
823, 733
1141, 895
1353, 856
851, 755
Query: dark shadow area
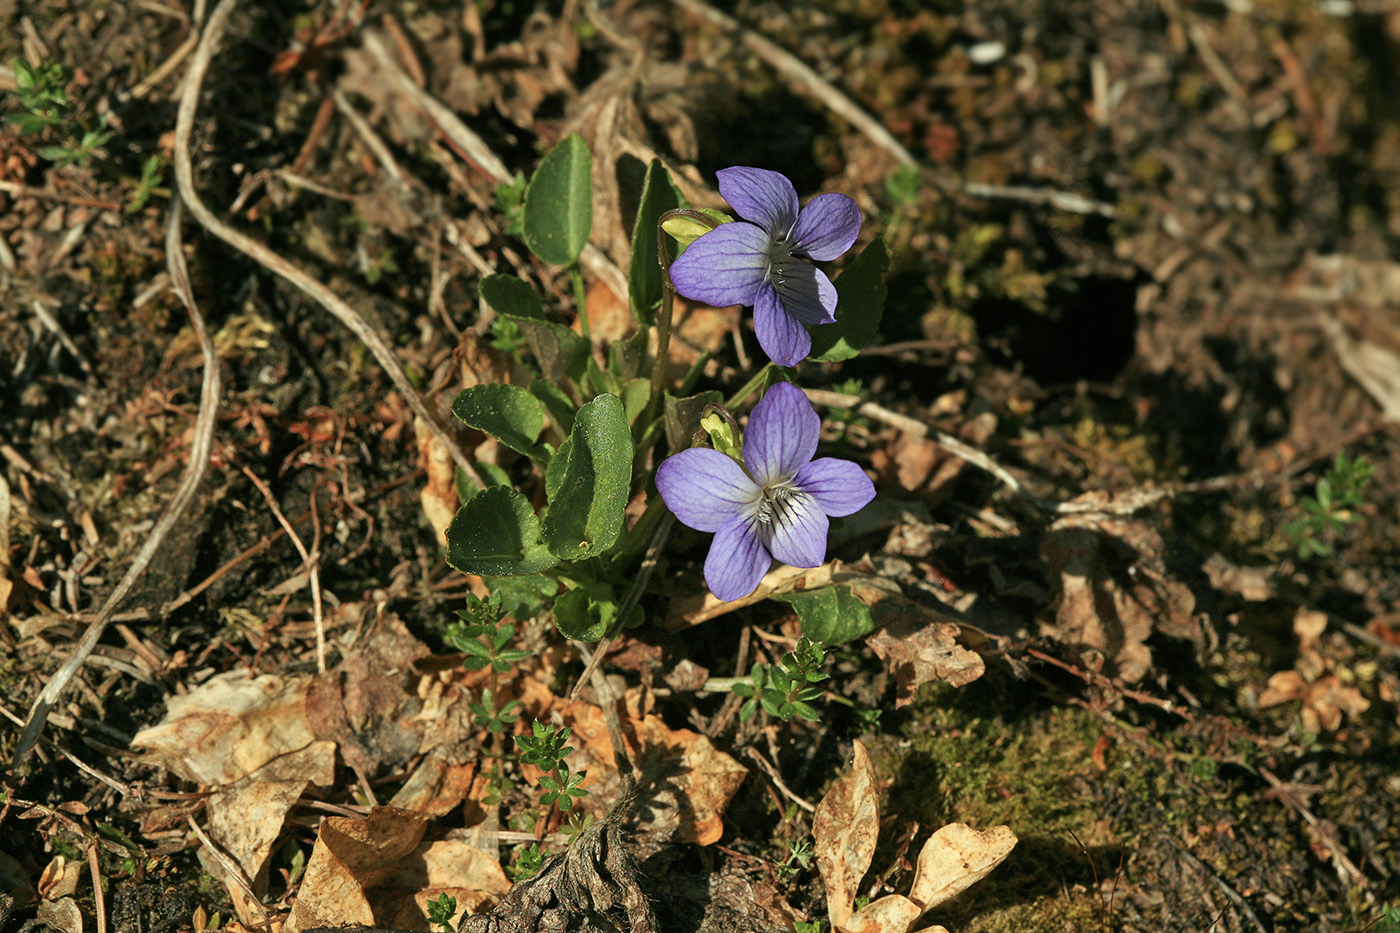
1086, 333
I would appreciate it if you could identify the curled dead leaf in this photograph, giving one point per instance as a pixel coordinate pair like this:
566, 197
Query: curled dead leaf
229, 726
350, 857
844, 831
955, 858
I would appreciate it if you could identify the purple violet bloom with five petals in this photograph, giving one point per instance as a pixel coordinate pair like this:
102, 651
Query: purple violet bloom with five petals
775, 504
766, 262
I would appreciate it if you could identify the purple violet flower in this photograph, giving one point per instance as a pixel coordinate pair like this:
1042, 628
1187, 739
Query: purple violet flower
766, 261
773, 505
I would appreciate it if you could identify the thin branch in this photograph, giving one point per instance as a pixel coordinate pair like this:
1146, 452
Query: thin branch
348, 316
1134, 500
311, 560
200, 449
473, 149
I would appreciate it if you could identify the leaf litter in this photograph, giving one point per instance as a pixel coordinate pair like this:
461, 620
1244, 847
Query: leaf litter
1264, 337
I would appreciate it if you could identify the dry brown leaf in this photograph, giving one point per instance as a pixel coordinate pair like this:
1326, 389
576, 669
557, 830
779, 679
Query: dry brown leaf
436, 786
368, 703
447, 866
685, 783
918, 647
62, 915
1326, 700
351, 856
890, 914
439, 493
844, 830
59, 878
954, 859
230, 726
1113, 592
246, 817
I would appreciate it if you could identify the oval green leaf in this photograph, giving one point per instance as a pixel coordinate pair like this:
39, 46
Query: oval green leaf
860, 301
659, 195
497, 533
831, 615
559, 203
508, 413
559, 351
586, 510
511, 297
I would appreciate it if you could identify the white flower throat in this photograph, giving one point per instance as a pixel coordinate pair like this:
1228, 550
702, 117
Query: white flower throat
776, 502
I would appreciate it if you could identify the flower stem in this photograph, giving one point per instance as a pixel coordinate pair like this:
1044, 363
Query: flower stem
749, 387
580, 299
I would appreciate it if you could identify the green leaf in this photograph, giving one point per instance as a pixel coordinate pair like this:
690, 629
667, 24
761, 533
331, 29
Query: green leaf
508, 413
683, 416
644, 283
830, 615
556, 401
580, 617
522, 597
497, 533
558, 468
627, 358
560, 351
512, 297
466, 488
860, 292
559, 203
635, 395
586, 510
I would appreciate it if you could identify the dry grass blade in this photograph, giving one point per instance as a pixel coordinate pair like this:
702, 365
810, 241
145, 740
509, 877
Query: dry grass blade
184, 174
189, 482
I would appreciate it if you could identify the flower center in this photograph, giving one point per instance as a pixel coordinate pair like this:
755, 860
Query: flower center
775, 505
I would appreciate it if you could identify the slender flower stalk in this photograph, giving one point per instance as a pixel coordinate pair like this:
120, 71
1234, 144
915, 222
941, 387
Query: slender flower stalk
776, 503
765, 261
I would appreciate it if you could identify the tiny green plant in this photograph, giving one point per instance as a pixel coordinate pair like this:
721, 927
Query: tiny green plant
483, 637
441, 910
1327, 515
143, 188
42, 95
82, 150
528, 862
545, 749
1388, 921
799, 858
808, 926
786, 689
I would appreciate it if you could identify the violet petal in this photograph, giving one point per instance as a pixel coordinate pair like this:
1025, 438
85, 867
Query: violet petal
781, 336
827, 227
705, 488
763, 197
806, 292
839, 487
737, 559
781, 436
798, 532
724, 267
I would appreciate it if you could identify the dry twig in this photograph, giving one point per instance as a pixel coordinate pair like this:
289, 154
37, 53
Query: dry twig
200, 448
348, 316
